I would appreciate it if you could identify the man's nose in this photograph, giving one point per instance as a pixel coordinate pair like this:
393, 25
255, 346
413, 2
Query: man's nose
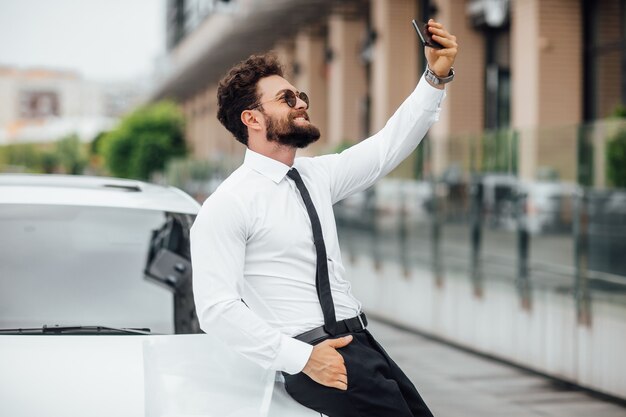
301, 104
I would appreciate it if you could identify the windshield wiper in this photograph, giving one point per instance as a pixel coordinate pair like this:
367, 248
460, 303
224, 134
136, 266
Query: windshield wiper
90, 330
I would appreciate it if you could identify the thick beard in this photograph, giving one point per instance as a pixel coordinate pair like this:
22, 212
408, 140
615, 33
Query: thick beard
288, 133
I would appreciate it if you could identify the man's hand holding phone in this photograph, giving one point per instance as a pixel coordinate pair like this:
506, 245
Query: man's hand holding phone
440, 47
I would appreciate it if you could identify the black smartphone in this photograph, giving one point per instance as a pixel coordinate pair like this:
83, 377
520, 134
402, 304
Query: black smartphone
425, 35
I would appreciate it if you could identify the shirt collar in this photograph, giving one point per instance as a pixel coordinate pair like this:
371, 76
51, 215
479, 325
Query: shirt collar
271, 168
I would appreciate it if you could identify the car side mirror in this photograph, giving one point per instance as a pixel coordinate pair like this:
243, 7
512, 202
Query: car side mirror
169, 269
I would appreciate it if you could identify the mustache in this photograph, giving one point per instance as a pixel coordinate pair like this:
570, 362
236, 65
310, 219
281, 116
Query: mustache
299, 113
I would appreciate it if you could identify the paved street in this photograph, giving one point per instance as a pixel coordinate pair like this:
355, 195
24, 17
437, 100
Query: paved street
455, 383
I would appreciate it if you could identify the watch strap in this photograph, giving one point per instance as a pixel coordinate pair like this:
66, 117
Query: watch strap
436, 80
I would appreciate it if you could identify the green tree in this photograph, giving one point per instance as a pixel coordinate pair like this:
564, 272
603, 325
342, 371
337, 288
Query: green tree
70, 154
95, 143
144, 141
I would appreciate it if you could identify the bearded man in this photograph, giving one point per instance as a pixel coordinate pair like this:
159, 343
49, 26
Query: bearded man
268, 277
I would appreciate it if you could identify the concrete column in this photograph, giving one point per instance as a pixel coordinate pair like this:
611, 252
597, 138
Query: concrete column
206, 136
560, 62
191, 106
187, 111
285, 50
463, 112
394, 67
346, 80
219, 138
311, 77
208, 115
547, 74
200, 140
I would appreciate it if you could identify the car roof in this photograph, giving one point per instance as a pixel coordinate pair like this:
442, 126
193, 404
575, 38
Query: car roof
78, 190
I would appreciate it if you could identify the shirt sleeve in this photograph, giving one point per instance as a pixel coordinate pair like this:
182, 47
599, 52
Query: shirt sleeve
361, 165
218, 244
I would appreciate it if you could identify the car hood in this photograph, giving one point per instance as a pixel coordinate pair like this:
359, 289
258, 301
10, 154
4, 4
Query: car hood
176, 375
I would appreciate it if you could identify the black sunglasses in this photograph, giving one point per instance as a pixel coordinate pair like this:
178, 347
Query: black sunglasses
290, 97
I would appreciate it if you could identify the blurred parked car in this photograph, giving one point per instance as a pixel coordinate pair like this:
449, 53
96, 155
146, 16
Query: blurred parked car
606, 230
548, 206
391, 203
499, 193
95, 284
401, 202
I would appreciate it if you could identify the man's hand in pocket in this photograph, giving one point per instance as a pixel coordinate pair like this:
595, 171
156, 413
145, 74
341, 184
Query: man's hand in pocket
326, 365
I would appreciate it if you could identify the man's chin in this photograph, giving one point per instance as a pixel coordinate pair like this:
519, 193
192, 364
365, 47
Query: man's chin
297, 141
302, 145
300, 137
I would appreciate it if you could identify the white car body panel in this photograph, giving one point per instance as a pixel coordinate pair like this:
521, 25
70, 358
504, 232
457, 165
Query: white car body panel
94, 192
71, 376
132, 376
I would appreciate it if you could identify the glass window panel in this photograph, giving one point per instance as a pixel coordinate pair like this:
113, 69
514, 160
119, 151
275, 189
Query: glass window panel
79, 266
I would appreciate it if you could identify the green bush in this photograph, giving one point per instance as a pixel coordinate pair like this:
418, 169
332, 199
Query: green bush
616, 160
23, 155
616, 153
144, 141
69, 154
66, 155
619, 111
49, 162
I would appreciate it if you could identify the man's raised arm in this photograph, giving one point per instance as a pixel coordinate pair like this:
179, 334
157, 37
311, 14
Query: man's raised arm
363, 164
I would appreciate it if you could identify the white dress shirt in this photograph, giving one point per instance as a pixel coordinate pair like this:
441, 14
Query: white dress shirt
252, 248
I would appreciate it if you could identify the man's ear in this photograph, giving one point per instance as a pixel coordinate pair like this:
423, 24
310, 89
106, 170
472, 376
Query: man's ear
252, 119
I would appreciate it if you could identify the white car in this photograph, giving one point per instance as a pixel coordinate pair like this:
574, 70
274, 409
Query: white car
95, 289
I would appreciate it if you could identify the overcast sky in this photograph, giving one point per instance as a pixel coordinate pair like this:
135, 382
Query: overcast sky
104, 40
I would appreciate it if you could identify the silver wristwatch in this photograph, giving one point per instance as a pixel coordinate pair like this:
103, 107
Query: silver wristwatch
432, 78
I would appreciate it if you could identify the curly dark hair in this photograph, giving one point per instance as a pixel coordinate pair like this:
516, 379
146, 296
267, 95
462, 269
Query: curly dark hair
237, 91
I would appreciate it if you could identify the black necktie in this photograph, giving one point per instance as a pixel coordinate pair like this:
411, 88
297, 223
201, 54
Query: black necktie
321, 276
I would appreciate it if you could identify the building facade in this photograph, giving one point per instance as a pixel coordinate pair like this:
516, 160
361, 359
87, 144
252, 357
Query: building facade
42, 104
528, 66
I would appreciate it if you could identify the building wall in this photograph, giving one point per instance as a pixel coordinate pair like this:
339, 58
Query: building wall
463, 113
525, 63
546, 73
464, 110
312, 75
547, 84
8, 106
560, 59
394, 66
285, 50
206, 136
609, 64
197, 112
346, 80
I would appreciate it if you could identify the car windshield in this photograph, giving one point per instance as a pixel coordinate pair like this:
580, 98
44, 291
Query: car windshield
78, 265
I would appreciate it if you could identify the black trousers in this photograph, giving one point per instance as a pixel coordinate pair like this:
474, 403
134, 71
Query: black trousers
377, 387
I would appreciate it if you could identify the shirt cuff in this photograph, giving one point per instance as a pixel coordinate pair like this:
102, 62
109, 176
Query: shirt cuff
429, 97
293, 355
